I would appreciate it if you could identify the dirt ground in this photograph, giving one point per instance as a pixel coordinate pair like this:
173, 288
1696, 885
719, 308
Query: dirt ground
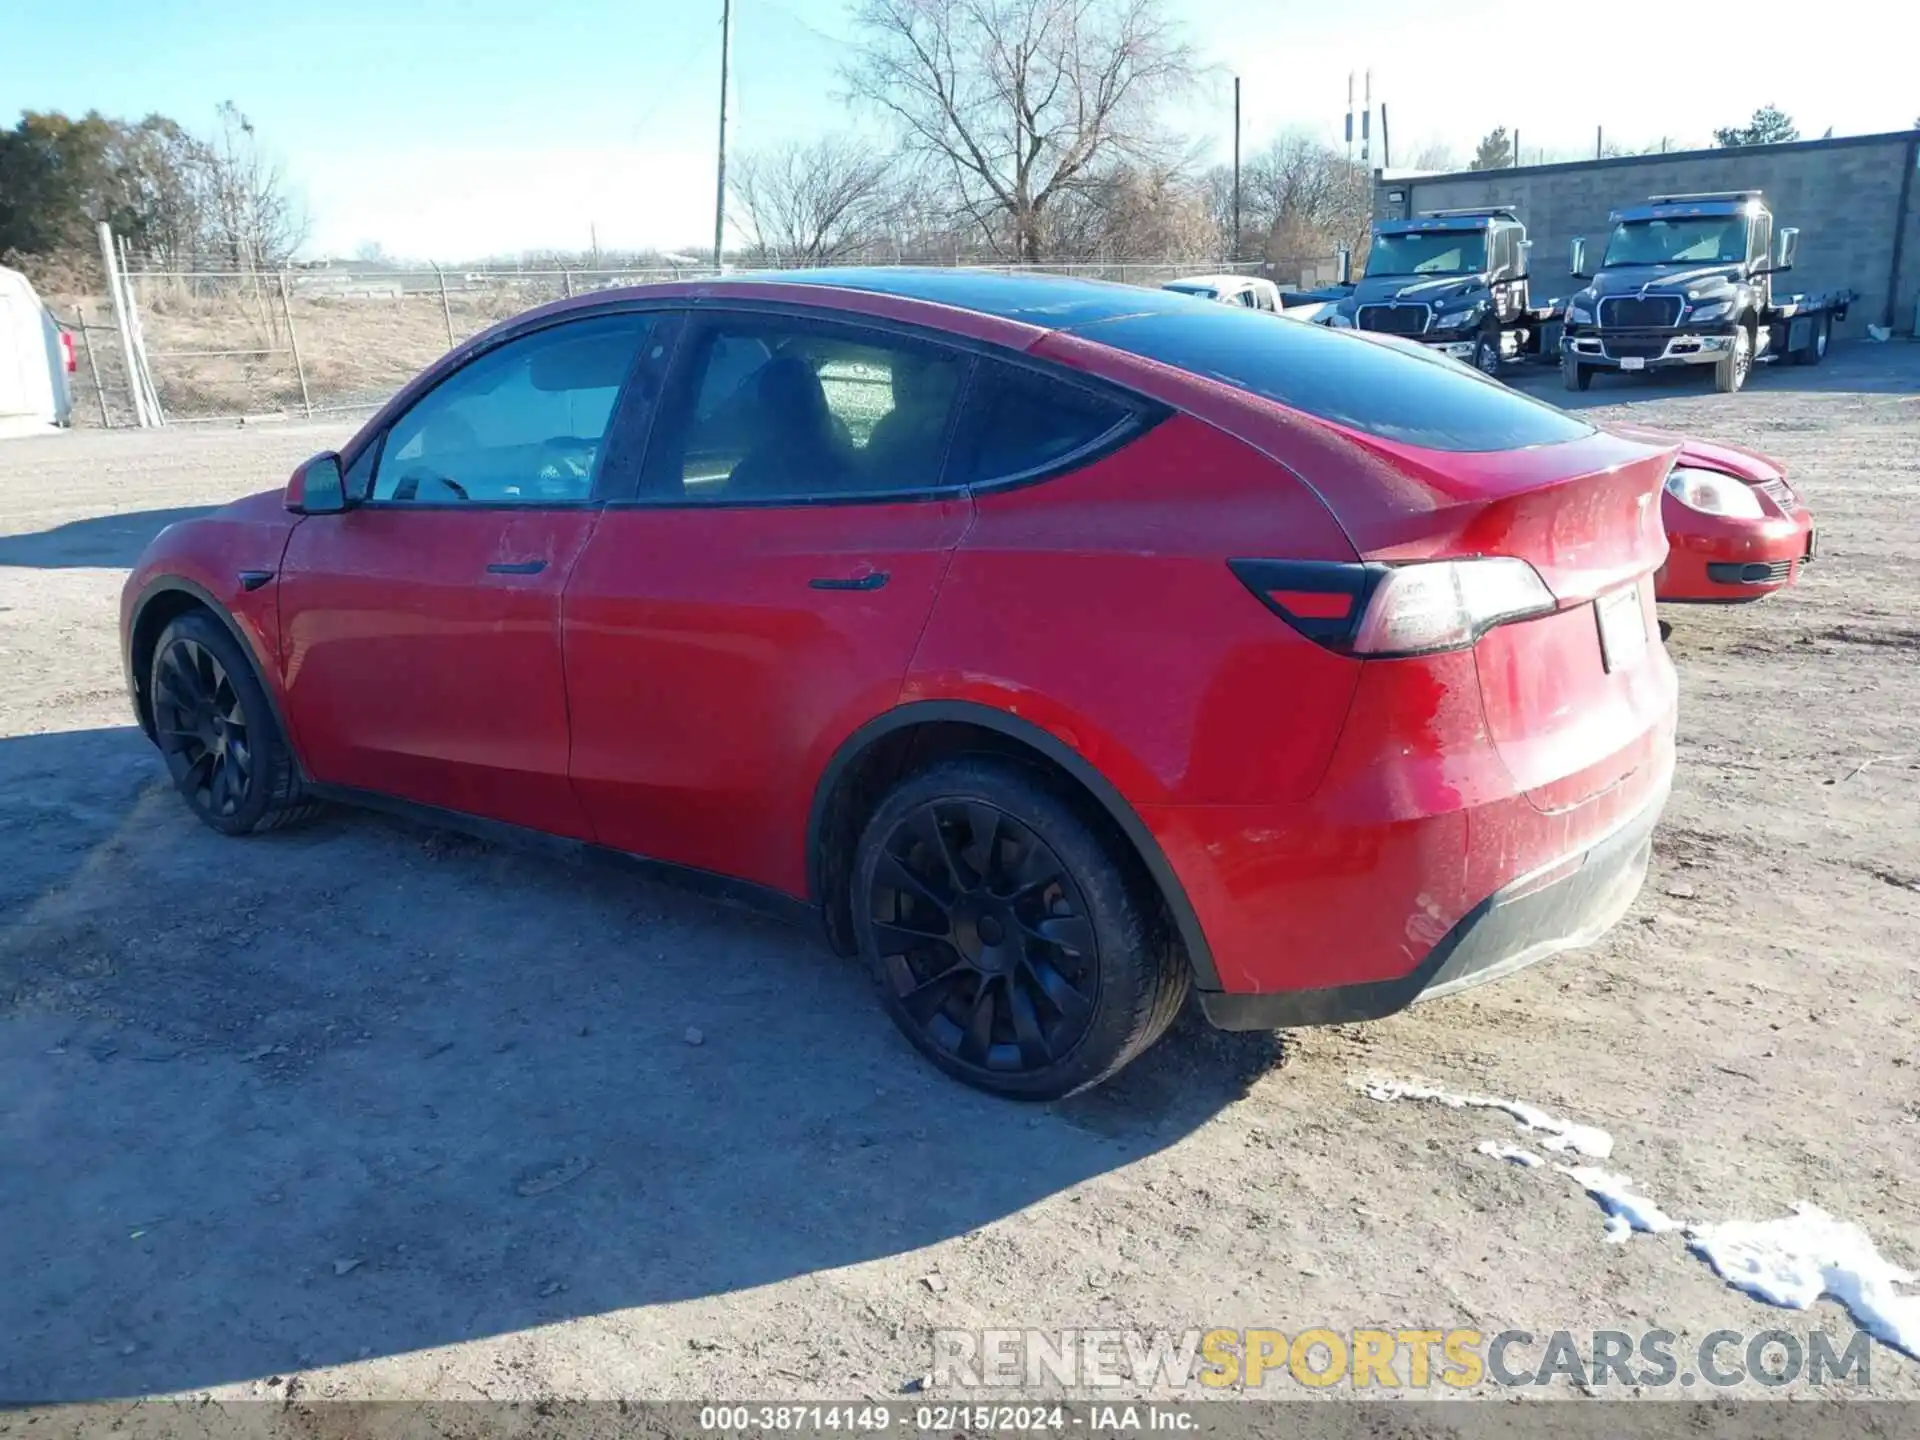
376, 1111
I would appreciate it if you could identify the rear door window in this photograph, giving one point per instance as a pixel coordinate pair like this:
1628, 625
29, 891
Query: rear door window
1397, 390
783, 410
1020, 423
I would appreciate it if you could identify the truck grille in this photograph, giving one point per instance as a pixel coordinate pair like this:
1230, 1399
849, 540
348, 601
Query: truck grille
1396, 319
1640, 312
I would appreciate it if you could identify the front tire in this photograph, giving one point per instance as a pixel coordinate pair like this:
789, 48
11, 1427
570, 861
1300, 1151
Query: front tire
217, 732
1574, 375
1012, 940
1730, 371
1486, 354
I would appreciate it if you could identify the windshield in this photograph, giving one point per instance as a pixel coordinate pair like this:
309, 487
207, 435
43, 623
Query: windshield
1430, 252
1205, 292
1696, 240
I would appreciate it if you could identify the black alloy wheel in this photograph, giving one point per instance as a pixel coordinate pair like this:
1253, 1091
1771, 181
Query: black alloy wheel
218, 734
985, 937
1008, 941
201, 725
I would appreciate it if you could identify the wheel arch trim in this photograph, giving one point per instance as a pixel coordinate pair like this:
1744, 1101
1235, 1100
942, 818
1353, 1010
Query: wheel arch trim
1051, 747
179, 585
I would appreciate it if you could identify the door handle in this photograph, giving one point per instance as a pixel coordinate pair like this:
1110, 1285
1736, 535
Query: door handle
872, 581
517, 567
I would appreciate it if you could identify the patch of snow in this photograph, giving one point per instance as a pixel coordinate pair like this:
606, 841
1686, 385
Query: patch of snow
1561, 1135
1510, 1152
1626, 1212
1796, 1259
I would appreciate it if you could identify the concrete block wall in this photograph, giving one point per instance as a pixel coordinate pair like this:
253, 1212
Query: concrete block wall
1844, 195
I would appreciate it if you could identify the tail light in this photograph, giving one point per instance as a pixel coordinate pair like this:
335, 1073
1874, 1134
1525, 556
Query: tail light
1380, 611
66, 351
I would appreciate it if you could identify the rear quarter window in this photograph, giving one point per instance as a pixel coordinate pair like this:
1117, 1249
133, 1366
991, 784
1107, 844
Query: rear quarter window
1398, 392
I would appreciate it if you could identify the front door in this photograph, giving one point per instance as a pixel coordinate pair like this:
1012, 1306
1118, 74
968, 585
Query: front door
763, 593
422, 626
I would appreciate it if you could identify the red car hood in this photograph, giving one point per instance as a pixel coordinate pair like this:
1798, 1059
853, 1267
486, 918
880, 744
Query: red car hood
1734, 460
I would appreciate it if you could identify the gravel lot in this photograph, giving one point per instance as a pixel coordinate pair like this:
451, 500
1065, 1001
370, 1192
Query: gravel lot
379, 1111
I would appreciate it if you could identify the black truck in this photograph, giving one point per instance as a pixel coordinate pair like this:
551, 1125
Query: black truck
1689, 280
1455, 280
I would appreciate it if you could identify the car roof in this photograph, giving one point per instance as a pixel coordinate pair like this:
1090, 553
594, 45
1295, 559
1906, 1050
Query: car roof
1046, 302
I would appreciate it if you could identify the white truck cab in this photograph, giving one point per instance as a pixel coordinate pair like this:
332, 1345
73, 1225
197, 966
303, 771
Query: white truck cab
1248, 290
36, 361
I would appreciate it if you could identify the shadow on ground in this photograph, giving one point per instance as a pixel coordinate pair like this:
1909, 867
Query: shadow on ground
99, 542
365, 1088
1856, 368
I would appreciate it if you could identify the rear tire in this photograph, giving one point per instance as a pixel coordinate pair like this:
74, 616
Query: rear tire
217, 733
1815, 350
1574, 375
1014, 943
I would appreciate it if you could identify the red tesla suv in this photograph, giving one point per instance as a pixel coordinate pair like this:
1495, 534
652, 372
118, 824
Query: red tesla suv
1063, 647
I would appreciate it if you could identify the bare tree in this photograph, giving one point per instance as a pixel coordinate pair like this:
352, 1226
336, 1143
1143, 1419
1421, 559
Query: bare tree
1133, 213
814, 204
1013, 103
1436, 155
1306, 200
253, 220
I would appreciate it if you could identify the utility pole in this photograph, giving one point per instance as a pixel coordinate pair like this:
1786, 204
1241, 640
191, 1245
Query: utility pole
1349, 117
1599, 144
1366, 126
720, 179
1233, 254
1386, 151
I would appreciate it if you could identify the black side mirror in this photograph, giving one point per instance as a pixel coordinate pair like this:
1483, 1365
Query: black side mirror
1577, 259
317, 487
1343, 266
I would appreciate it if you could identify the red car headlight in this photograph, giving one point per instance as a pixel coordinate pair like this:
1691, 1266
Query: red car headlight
1712, 493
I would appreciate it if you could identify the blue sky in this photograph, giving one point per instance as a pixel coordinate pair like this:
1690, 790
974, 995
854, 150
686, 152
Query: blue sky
453, 128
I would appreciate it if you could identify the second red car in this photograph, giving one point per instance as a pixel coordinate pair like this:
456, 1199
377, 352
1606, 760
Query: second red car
1736, 529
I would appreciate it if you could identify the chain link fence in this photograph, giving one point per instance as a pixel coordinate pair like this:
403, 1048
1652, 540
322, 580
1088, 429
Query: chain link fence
338, 340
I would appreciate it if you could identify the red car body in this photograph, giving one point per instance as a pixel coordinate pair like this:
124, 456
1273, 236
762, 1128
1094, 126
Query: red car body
1726, 559
1332, 835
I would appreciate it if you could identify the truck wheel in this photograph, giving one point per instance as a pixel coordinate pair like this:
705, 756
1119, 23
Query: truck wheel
1486, 354
1815, 350
1731, 370
1574, 375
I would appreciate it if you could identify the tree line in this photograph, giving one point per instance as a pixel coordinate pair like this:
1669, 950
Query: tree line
1023, 131
182, 200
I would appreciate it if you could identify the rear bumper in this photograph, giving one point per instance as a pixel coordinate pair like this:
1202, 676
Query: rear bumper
1714, 560
1569, 902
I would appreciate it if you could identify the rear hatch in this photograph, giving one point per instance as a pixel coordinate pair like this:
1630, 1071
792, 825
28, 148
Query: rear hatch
1421, 459
1566, 692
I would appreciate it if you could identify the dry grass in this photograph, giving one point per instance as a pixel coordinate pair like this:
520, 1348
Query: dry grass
224, 348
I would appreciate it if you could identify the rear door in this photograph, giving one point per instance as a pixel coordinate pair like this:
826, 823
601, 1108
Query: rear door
761, 593
422, 625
